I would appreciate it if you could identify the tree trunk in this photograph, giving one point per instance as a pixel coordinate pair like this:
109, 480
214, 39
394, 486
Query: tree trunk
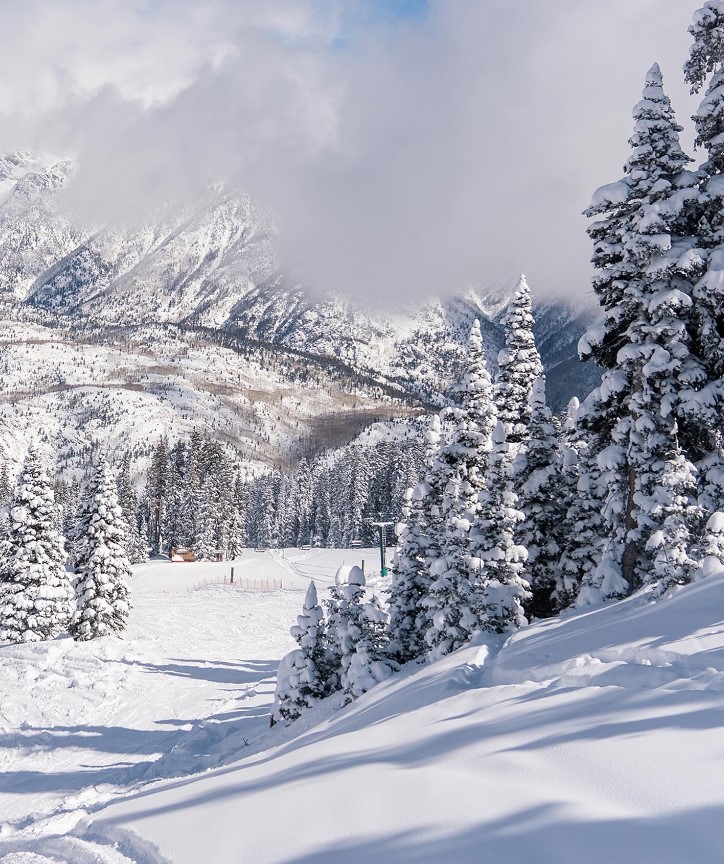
630, 550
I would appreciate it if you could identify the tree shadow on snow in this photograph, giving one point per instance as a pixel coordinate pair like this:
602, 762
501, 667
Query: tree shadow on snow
589, 716
192, 735
544, 835
246, 672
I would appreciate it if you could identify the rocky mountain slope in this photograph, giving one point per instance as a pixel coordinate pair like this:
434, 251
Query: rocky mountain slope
174, 292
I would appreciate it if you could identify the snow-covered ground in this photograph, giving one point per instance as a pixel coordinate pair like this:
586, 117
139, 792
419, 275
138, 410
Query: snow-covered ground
594, 738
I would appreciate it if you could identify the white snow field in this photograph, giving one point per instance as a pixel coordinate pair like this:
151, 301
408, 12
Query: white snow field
594, 738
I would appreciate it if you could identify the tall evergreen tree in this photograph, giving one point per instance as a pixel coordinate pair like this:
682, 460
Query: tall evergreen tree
102, 567
205, 540
357, 626
36, 595
519, 366
321, 519
260, 515
237, 534
500, 589
463, 460
136, 545
410, 583
641, 247
303, 495
542, 501
157, 491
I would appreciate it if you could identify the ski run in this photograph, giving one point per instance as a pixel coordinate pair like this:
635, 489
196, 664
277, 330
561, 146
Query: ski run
593, 737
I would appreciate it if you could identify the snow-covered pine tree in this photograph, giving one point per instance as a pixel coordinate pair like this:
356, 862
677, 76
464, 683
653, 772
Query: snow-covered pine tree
355, 493
655, 406
321, 516
205, 541
36, 594
372, 660
357, 629
222, 486
462, 460
542, 500
706, 409
75, 538
567, 573
668, 378
182, 496
519, 366
679, 519
306, 674
260, 514
642, 254
102, 567
500, 590
410, 582
156, 492
137, 545
303, 496
143, 529
236, 535
284, 533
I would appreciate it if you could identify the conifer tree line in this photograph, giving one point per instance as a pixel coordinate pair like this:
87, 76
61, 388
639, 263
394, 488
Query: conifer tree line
194, 496
333, 501
520, 514
477, 541
41, 596
650, 448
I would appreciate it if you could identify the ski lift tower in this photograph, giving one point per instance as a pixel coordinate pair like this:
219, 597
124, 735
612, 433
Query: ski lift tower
381, 526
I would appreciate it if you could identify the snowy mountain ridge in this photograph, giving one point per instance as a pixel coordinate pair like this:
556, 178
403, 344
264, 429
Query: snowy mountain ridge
213, 266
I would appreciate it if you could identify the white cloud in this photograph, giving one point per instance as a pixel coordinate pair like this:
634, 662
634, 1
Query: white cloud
460, 148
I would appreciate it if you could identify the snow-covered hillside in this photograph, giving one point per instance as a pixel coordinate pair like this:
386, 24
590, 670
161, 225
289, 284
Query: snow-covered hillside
126, 390
595, 737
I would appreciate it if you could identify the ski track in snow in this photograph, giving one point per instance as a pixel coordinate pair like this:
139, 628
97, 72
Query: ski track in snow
597, 732
81, 723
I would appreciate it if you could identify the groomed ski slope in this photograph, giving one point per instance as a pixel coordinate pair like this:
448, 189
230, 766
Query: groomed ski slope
595, 738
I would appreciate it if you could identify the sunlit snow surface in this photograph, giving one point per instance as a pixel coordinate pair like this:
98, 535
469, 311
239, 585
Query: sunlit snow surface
595, 738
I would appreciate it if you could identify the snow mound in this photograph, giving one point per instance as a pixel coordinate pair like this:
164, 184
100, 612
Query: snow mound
349, 574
